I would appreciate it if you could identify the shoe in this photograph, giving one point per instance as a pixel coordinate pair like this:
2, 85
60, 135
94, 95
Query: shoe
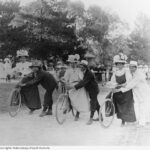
43, 114
76, 118
49, 112
97, 119
90, 121
31, 112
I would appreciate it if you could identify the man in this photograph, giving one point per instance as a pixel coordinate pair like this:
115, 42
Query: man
91, 86
48, 82
141, 92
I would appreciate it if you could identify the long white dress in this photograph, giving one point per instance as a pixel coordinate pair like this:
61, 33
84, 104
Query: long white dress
79, 98
141, 91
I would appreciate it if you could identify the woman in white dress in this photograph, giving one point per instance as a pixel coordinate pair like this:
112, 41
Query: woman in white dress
79, 98
23, 65
141, 91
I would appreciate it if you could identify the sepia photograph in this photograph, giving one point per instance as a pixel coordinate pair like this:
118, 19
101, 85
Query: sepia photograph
74, 73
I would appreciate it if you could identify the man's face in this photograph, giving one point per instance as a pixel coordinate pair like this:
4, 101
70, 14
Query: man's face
82, 68
132, 68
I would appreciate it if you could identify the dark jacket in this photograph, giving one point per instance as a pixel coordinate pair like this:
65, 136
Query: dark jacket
44, 78
89, 82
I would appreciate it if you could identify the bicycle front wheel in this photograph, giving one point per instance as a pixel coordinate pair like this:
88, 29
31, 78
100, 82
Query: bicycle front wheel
62, 108
107, 113
14, 103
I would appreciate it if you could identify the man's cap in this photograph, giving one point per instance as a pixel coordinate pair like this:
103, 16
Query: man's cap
84, 63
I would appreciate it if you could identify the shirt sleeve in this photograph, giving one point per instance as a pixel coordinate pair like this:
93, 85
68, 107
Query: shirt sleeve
67, 76
36, 80
83, 82
131, 84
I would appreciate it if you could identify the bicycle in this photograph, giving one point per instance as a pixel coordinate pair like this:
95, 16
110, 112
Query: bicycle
63, 106
107, 112
14, 102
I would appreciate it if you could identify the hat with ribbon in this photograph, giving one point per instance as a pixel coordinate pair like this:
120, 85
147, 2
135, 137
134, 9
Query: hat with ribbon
22, 52
120, 58
73, 58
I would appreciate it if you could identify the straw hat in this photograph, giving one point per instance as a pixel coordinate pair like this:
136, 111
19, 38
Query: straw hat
120, 58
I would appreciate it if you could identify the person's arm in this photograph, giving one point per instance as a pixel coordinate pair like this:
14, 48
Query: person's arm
130, 85
83, 82
112, 83
36, 80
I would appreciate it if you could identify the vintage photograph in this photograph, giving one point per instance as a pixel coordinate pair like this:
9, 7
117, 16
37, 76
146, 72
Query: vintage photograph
74, 73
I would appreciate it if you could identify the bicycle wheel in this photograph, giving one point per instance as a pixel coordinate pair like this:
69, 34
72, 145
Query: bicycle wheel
107, 113
62, 108
14, 103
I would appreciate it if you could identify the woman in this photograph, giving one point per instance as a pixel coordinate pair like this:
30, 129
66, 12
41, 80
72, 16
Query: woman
30, 95
141, 92
124, 104
79, 98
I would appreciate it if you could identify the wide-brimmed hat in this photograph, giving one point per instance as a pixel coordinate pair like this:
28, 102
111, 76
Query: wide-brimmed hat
36, 63
120, 58
133, 63
84, 63
73, 58
22, 53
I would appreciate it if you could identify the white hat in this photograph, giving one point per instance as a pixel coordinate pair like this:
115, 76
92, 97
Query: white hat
133, 63
84, 63
120, 58
73, 58
22, 53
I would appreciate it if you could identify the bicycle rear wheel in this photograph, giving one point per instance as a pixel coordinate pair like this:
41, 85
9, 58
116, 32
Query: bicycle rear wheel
62, 108
107, 113
14, 103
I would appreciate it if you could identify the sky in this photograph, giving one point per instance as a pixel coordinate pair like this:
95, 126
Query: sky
126, 9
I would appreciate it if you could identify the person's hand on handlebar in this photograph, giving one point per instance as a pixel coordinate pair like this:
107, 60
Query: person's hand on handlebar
69, 86
19, 85
116, 90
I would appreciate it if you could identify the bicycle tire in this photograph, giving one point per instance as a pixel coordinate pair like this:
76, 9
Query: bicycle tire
62, 107
106, 113
14, 102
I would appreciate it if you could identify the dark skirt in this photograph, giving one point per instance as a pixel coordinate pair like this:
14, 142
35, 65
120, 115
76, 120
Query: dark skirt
124, 106
30, 95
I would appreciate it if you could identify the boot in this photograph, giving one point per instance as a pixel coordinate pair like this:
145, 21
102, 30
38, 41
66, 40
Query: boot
90, 121
43, 113
76, 117
49, 112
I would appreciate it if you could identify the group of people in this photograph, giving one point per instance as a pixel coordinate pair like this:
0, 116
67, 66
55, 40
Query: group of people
78, 78
130, 88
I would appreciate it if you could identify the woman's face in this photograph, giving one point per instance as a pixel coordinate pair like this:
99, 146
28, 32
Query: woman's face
120, 65
132, 69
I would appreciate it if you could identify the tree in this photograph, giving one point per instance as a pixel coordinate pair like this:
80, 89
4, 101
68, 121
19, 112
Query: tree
141, 38
8, 11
